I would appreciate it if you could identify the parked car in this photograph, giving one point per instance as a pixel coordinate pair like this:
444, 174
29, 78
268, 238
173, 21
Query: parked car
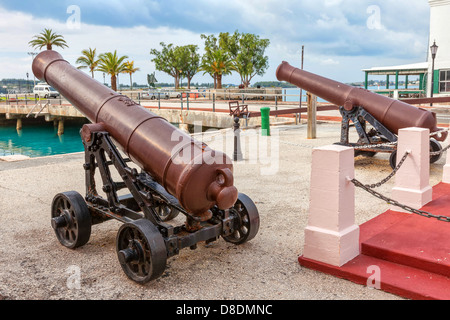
153, 94
43, 90
173, 94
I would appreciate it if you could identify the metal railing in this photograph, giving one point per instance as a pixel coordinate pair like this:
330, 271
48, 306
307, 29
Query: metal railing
28, 99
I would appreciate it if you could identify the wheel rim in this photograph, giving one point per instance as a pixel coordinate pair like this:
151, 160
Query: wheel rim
70, 219
247, 222
166, 212
141, 251
135, 253
393, 159
434, 147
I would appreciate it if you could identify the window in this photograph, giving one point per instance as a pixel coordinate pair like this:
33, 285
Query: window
444, 80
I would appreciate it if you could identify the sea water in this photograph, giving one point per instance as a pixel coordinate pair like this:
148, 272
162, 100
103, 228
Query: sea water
38, 140
293, 94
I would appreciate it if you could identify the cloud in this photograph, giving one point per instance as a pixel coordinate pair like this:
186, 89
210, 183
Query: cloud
134, 42
339, 35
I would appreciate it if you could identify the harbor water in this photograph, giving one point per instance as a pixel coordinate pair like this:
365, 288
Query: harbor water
293, 94
40, 139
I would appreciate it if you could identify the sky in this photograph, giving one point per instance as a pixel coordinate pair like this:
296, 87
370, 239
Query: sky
340, 37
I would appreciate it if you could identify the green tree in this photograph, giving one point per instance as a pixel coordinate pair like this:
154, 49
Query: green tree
177, 61
188, 61
247, 53
112, 64
130, 69
216, 61
47, 38
89, 60
218, 64
166, 61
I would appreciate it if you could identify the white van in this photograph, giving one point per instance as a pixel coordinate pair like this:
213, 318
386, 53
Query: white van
43, 90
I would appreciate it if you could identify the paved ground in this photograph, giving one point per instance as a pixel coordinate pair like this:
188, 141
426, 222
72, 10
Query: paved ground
33, 265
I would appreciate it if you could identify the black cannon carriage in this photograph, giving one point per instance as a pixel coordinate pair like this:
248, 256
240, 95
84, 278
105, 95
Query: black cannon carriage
376, 118
163, 171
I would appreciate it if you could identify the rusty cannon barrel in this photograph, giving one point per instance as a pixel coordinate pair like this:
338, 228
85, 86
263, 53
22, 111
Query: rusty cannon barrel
196, 175
393, 114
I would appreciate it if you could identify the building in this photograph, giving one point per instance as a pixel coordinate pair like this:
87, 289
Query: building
439, 18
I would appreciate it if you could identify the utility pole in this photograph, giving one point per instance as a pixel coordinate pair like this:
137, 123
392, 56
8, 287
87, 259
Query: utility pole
303, 52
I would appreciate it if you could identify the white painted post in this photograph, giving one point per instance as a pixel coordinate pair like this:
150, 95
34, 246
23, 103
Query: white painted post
412, 180
331, 235
446, 169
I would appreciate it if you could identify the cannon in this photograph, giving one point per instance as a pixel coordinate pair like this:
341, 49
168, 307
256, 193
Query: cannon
385, 115
149, 172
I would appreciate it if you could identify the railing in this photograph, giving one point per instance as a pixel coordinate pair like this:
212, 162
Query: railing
215, 100
28, 99
203, 99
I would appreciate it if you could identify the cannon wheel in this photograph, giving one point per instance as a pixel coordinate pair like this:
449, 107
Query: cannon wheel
434, 146
248, 222
141, 250
71, 219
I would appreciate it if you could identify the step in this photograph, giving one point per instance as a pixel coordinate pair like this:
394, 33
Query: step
410, 239
411, 252
404, 281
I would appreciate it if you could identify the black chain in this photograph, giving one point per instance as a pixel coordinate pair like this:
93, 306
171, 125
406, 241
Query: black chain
369, 189
435, 153
398, 204
374, 185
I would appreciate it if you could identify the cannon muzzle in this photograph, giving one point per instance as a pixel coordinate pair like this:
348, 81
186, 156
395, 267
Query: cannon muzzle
393, 114
196, 175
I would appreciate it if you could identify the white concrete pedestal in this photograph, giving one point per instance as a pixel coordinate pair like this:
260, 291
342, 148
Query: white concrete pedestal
331, 235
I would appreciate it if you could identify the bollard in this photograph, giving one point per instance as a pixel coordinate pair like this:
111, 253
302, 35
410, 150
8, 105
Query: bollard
332, 236
412, 179
446, 170
311, 114
265, 121
237, 155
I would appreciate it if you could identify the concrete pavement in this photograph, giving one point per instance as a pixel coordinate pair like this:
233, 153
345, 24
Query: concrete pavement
33, 265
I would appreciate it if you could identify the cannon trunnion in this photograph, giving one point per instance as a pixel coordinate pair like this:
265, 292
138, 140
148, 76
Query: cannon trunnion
360, 106
164, 170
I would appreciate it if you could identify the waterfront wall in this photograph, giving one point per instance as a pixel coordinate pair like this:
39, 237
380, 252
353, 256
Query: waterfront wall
187, 117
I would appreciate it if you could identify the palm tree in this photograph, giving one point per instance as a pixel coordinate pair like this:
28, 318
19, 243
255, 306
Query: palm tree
217, 64
47, 38
130, 69
88, 60
111, 64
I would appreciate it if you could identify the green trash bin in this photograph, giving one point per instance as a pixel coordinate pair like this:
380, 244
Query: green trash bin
265, 122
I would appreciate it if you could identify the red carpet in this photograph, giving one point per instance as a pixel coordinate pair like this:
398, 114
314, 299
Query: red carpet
411, 252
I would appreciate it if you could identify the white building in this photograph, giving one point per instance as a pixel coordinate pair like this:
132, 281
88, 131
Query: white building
439, 33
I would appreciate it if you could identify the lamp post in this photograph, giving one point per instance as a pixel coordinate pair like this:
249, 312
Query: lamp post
28, 84
33, 54
433, 49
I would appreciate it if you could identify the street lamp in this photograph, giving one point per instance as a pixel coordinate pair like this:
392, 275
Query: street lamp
433, 49
28, 84
33, 54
